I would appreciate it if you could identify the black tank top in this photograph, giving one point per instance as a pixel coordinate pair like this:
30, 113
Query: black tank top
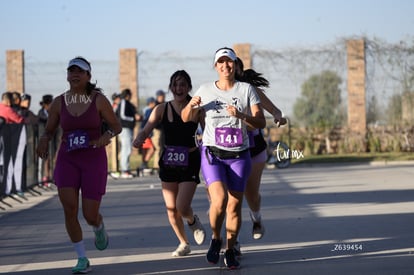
177, 132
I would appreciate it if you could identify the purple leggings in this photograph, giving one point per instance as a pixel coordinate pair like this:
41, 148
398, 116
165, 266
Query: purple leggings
232, 172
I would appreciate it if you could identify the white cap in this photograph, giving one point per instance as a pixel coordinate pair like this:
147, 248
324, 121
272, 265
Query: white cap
79, 63
225, 52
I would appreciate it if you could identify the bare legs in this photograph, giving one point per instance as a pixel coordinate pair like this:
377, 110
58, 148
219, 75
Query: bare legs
69, 197
225, 205
252, 193
178, 198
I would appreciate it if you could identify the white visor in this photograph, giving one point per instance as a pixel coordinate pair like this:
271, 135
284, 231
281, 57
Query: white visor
79, 63
225, 52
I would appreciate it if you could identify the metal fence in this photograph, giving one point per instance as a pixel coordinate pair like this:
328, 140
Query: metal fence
389, 68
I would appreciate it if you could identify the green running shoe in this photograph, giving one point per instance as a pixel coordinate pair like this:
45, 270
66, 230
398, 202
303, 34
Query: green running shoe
82, 267
101, 238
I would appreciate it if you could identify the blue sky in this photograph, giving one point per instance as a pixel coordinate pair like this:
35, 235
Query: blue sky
57, 29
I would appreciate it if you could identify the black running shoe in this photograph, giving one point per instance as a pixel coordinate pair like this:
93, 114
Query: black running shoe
230, 259
237, 250
258, 230
213, 254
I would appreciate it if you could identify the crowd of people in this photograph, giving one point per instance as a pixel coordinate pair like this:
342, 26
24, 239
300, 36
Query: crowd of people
228, 159
16, 108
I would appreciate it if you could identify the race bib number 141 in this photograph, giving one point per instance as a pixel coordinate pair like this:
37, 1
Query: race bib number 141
229, 137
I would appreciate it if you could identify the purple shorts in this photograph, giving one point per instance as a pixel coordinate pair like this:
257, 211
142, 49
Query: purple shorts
261, 157
84, 169
232, 172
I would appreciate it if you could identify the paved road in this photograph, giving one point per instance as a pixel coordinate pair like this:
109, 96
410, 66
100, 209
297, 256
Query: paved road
349, 219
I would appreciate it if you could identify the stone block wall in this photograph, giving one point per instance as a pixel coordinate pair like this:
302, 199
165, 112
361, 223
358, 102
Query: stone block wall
243, 52
356, 87
128, 73
15, 71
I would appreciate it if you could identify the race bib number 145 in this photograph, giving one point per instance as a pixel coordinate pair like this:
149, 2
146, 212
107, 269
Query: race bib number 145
77, 140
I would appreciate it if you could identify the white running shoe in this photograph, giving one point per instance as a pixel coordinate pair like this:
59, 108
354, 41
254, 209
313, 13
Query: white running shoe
126, 175
182, 250
198, 231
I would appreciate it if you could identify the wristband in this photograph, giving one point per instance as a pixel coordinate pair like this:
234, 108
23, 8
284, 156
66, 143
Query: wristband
110, 132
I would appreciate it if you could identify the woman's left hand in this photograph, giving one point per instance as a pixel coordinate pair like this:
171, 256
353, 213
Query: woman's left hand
103, 141
232, 111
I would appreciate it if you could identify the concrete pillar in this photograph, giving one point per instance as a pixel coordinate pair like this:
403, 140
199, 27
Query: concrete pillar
128, 78
15, 71
356, 63
243, 52
128, 73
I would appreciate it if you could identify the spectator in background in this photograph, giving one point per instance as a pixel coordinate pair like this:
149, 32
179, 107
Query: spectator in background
29, 116
158, 133
128, 115
31, 122
159, 97
44, 110
8, 114
45, 164
116, 98
147, 148
16, 101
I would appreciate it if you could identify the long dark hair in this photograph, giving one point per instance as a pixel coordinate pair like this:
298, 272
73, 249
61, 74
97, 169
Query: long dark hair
183, 74
250, 76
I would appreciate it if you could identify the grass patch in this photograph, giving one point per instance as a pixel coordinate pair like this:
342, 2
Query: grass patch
360, 157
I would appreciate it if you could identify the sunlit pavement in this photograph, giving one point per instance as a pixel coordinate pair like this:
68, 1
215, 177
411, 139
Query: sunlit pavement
325, 219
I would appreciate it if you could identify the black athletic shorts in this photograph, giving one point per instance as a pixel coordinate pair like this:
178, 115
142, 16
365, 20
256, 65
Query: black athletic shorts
181, 173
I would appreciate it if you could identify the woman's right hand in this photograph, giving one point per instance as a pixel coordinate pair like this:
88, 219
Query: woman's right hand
195, 101
139, 140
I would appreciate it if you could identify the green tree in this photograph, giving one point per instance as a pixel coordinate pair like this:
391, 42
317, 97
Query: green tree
394, 110
320, 102
373, 110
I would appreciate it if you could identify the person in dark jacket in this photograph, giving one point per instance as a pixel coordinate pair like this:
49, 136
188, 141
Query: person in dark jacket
45, 165
128, 115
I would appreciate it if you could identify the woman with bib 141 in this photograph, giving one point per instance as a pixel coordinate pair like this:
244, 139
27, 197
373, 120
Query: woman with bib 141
230, 107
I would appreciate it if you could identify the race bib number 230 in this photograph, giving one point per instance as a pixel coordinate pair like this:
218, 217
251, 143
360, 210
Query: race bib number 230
176, 156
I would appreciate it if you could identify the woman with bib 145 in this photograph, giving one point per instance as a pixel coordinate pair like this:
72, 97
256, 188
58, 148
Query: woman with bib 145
81, 163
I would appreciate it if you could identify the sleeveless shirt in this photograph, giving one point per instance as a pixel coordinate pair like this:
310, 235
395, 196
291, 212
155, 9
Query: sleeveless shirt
89, 121
178, 133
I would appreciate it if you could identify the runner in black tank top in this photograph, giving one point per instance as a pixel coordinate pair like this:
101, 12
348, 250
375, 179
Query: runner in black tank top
179, 163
